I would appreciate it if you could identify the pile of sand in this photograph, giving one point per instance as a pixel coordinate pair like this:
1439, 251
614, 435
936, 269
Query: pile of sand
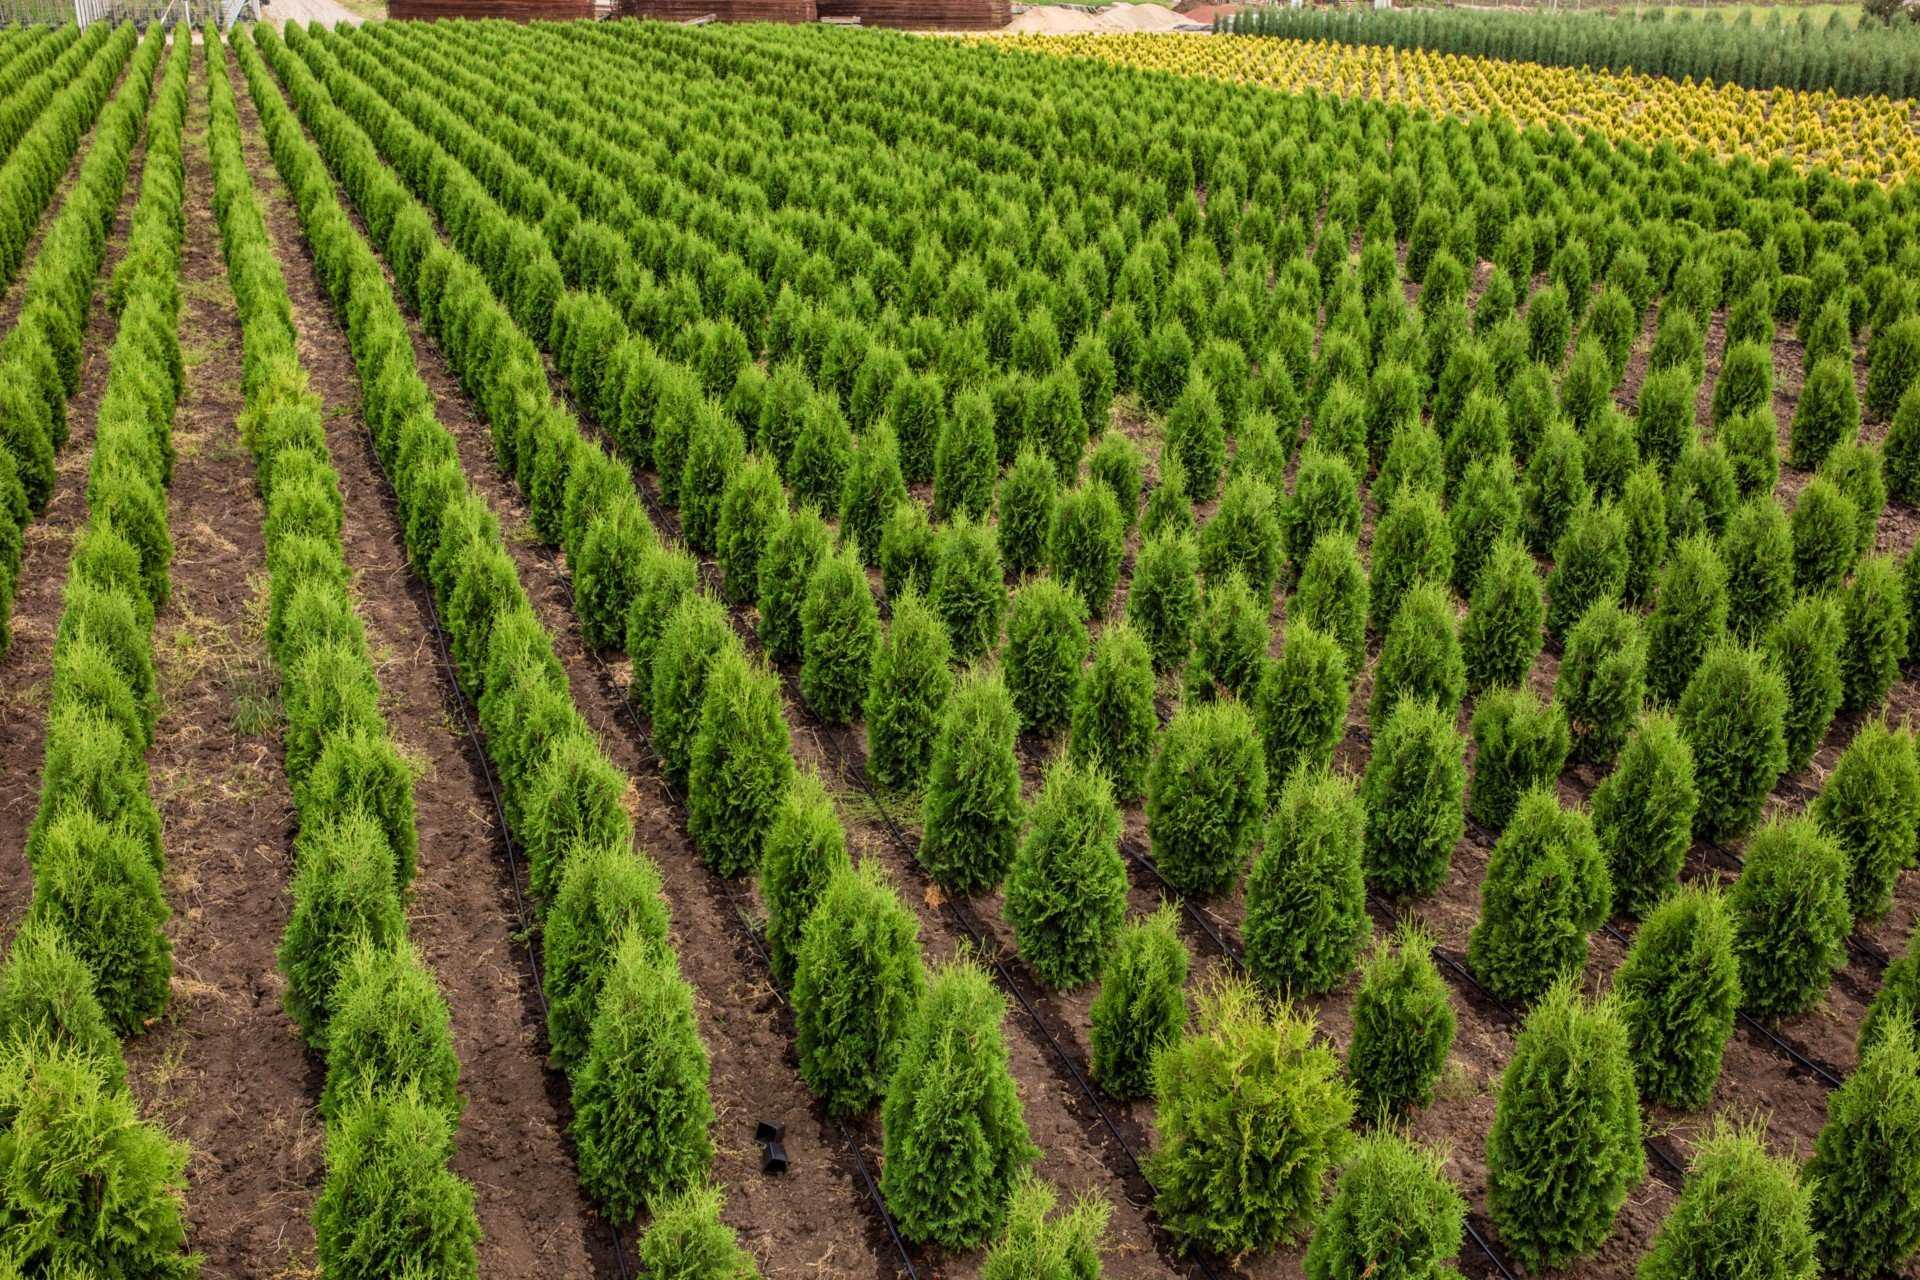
1049, 20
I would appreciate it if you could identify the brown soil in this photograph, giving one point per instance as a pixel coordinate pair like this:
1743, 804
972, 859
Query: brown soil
27, 665
800, 1223
510, 1144
224, 1069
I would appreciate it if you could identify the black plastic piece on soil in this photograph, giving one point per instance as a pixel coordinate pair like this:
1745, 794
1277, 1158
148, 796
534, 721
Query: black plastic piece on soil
773, 1152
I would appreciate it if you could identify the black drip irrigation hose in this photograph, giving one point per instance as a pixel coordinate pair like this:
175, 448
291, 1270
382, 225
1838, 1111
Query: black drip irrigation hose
1800, 1058
459, 699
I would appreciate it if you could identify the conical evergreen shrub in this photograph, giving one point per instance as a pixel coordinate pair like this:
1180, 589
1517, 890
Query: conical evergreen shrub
871, 487
1744, 1214
1896, 1004
605, 893
1169, 509
965, 461
1546, 889
1332, 596
1643, 505
1678, 990
805, 848
1252, 1091
1871, 806
1804, 648
839, 630
1589, 565
1244, 536
971, 818
1046, 647
1602, 680
798, 544
641, 1111
1826, 530
1485, 513
751, 511
343, 891
1307, 895
1826, 415
1038, 1244
1087, 544
968, 591
1113, 724
1421, 658
1028, 495
742, 764
1411, 545
906, 550
1688, 620
1750, 444
1164, 598
1664, 423
1142, 1004
1206, 793
1395, 1215
1745, 382
1502, 632
1564, 1151
1118, 464
47, 1000
857, 980
1902, 447
1893, 365
911, 684
1734, 717
1790, 917
1873, 621
1195, 432
1067, 890
1415, 459
1403, 1025
1325, 501
665, 576
1757, 551
956, 1138
1865, 1170
686, 1240
390, 1030
1643, 815
1855, 470
389, 1205
696, 635
1229, 644
1302, 702
1555, 486
1415, 793
1519, 744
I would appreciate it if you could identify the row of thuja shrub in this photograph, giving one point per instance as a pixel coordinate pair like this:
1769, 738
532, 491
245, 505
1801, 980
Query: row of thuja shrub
91, 963
40, 358
355, 987
621, 1018
26, 60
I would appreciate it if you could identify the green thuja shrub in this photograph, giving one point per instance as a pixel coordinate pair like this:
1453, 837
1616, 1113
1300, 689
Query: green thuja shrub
1484, 514
1564, 1151
1332, 596
956, 1137
1790, 917
1325, 500
1195, 432
1902, 448
1871, 805
1118, 464
1745, 382
1046, 646
1855, 470
742, 764
1643, 814
1307, 895
47, 999
1897, 1004
1555, 486
641, 1111
1757, 552
1403, 1025
1037, 1244
1643, 505
389, 1205
1244, 536
1206, 792
1826, 415
1589, 565
1893, 366
1502, 632
869, 492
390, 1030
714, 454
965, 460
1162, 372
968, 590
1415, 459
1414, 790
1804, 649
1478, 430
1733, 715
1519, 745
343, 891
910, 687
1142, 1004
606, 892
1168, 508
606, 568
857, 979
1411, 545
1087, 543
1164, 598
665, 576
798, 544
90, 1188
1229, 643
696, 634
1301, 703
805, 848
971, 818
1028, 495
1743, 1214
1664, 423
1421, 659
1826, 527
1252, 1092
1749, 444
1678, 989
751, 511
839, 629
1067, 890
1689, 618
1546, 889
1113, 722
906, 550
686, 1240
1395, 1215
1865, 1170
822, 452
1873, 623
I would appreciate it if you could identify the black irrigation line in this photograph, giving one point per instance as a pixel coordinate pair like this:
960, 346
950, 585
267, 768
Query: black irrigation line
1799, 1057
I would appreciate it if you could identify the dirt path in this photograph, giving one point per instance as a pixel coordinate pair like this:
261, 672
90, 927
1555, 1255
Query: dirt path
809, 1222
27, 667
511, 1142
225, 1069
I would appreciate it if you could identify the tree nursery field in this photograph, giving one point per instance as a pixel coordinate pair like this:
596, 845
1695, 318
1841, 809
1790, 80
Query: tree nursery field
698, 652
